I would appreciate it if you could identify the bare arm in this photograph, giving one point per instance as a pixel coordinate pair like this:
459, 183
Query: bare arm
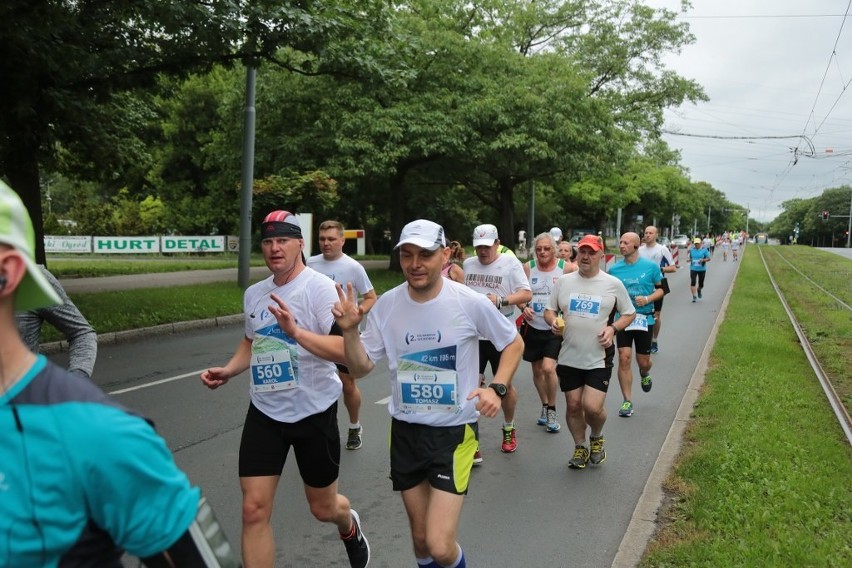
329, 347
348, 317
215, 377
367, 301
489, 402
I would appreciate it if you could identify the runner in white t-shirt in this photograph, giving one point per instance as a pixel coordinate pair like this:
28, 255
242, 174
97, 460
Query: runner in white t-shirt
654, 251
501, 278
288, 347
429, 329
342, 268
582, 311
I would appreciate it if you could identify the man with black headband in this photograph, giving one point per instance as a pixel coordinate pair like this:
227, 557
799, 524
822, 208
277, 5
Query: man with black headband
289, 348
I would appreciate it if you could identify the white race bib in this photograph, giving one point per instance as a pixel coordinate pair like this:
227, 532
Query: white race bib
584, 305
428, 391
639, 323
272, 371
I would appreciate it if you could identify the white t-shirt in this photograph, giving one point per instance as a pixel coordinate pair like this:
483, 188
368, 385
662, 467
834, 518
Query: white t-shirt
502, 277
656, 254
310, 297
342, 270
438, 337
586, 305
542, 283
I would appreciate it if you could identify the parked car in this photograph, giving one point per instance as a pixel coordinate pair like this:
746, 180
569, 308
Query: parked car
663, 241
682, 241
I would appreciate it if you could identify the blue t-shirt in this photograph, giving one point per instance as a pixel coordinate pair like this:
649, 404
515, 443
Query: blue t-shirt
695, 256
81, 477
640, 279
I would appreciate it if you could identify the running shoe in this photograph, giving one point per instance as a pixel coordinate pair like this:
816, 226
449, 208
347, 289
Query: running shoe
598, 453
626, 409
542, 420
353, 442
552, 423
699, 293
580, 458
654, 347
477, 457
510, 442
694, 299
646, 383
357, 547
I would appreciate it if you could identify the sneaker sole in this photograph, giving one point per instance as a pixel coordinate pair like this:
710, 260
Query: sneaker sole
508, 451
554, 429
576, 466
354, 447
626, 414
593, 462
647, 388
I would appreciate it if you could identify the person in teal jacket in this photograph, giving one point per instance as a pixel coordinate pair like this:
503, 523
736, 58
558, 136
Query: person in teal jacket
698, 259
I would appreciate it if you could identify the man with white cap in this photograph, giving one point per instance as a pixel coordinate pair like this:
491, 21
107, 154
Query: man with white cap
289, 344
502, 280
81, 477
429, 328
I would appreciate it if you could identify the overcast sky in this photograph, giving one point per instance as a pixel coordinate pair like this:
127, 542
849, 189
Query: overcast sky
770, 68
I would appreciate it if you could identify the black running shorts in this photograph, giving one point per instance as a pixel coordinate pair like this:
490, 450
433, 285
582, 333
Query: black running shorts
315, 441
443, 455
571, 378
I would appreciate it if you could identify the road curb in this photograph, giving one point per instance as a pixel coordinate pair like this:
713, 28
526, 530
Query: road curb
643, 523
156, 330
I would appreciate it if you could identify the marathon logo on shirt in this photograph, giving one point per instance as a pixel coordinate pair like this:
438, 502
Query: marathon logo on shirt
484, 280
415, 337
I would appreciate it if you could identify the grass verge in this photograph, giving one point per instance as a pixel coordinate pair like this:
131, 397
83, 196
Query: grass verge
764, 477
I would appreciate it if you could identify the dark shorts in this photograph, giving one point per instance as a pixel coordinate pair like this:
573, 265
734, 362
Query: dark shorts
571, 378
540, 343
315, 441
658, 304
488, 354
443, 455
642, 340
697, 275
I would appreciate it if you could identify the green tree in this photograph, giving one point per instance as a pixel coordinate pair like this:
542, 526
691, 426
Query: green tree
72, 64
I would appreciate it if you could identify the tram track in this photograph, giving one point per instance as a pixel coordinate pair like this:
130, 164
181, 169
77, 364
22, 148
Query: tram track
834, 399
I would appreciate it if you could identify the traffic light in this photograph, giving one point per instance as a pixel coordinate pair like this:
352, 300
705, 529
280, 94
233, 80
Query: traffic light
825, 215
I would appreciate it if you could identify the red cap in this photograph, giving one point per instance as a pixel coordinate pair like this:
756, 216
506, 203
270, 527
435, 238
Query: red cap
593, 241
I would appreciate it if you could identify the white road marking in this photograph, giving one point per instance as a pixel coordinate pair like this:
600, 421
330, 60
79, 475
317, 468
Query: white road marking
160, 382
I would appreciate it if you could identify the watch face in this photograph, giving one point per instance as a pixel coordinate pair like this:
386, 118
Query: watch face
500, 389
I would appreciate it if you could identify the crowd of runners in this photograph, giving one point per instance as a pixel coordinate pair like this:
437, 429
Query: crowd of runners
316, 325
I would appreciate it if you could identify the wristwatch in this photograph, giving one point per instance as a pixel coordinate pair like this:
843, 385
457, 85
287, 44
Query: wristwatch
499, 388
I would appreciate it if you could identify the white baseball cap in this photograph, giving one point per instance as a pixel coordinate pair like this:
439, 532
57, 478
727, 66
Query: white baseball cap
16, 230
484, 235
556, 233
422, 233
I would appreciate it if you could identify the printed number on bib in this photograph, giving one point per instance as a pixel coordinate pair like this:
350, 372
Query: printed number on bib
272, 371
584, 305
639, 323
428, 391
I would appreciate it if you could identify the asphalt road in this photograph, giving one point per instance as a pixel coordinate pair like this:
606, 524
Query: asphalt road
523, 509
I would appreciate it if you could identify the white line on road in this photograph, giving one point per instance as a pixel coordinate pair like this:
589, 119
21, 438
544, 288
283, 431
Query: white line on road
160, 382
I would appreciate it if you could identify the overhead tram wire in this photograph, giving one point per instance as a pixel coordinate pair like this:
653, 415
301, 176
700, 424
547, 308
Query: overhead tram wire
822, 83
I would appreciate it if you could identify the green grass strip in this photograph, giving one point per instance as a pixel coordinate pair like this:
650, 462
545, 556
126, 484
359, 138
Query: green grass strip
765, 476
